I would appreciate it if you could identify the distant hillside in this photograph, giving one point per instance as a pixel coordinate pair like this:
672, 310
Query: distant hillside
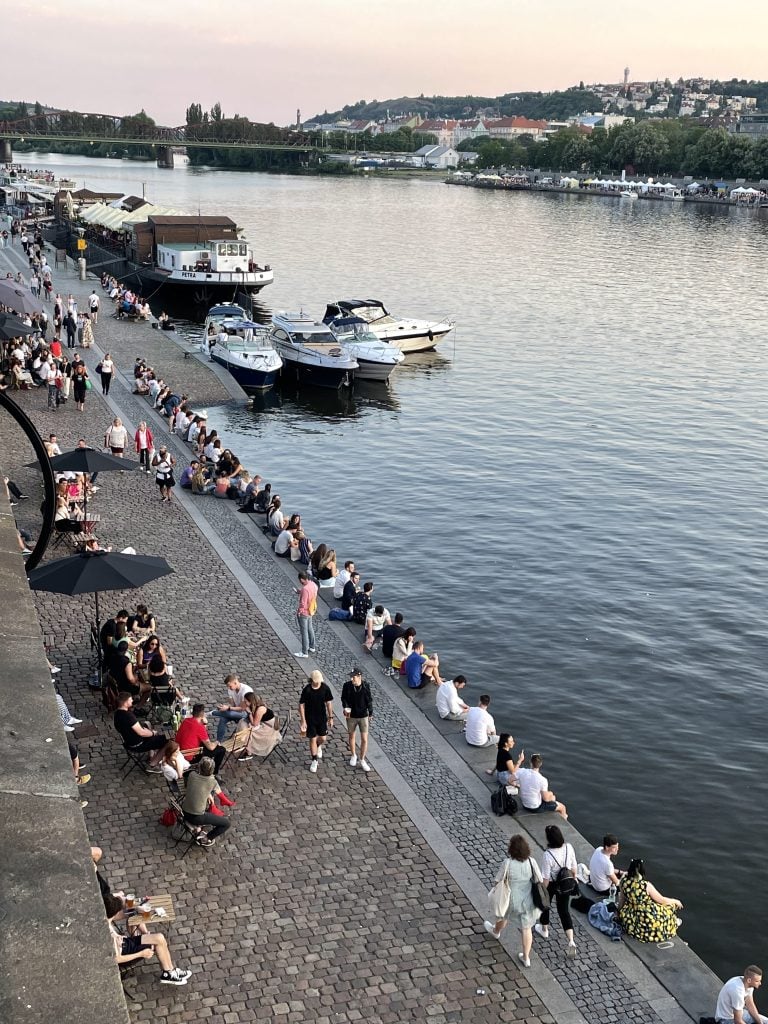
553, 105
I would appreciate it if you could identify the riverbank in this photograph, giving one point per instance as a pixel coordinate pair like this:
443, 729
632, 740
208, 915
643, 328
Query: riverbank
441, 789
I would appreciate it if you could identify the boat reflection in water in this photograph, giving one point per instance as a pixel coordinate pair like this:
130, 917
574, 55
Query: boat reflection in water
326, 403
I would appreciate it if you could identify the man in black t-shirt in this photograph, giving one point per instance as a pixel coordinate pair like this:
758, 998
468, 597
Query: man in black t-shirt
391, 633
109, 633
137, 737
349, 591
316, 715
361, 603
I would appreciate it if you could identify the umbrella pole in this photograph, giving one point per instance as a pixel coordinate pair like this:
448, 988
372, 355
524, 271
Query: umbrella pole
99, 653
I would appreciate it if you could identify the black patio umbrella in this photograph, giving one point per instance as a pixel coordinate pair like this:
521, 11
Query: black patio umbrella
94, 572
18, 297
13, 327
87, 460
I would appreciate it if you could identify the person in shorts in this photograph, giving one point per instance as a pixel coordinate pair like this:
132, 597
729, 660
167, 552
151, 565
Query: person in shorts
358, 710
141, 944
316, 715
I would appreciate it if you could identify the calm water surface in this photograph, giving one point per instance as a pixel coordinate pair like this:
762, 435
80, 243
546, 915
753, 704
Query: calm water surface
568, 499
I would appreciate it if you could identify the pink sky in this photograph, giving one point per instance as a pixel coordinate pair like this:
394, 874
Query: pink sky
264, 59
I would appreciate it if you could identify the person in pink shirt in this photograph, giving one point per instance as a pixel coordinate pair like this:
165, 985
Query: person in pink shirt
144, 445
307, 592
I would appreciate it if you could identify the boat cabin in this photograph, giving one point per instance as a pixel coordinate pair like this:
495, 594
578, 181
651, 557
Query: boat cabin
208, 257
370, 310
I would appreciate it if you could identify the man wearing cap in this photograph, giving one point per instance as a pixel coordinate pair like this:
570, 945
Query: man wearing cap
316, 715
358, 711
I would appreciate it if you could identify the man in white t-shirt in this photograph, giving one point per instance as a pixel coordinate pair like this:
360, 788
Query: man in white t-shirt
535, 794
736, 1004
449, 703
285, 541
235, 709
342, 577
602, 873
480, 730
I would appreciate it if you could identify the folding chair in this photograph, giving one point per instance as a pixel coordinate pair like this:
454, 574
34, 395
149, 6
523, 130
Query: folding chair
65, 531
185, 831
278, 748
235, 745
136, 759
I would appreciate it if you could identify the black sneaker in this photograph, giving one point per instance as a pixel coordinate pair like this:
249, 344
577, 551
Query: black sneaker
175, 977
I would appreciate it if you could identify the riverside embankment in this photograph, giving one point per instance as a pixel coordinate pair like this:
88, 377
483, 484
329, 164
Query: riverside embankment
445, 797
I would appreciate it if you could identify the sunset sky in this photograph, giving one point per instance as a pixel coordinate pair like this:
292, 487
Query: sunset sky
264, 58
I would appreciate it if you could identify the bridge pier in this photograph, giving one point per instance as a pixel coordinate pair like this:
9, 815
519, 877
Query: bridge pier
6, 151
165, 156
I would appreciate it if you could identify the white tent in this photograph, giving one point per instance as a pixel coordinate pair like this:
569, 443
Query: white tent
740, 191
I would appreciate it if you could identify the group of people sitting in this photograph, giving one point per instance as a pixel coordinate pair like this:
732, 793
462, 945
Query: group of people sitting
127, 302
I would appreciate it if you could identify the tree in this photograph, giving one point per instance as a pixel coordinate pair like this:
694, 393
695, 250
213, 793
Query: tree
194, 114
216, 114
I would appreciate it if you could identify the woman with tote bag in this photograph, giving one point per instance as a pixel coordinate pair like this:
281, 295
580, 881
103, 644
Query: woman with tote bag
514, 886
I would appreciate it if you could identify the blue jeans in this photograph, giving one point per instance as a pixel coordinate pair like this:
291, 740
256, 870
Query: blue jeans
307, 631
225, 717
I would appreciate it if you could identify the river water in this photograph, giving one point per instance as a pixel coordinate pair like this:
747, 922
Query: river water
568, 499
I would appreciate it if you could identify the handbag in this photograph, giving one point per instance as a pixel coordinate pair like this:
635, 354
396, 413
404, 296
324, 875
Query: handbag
499, 896
88, 385
539, 891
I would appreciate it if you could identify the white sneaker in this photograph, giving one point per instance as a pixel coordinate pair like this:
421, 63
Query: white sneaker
490, 928
55, 669
312, 650
74, 721
365, 766
320, 753
353, 761
313, 766
524, 960
541, 930
299, 654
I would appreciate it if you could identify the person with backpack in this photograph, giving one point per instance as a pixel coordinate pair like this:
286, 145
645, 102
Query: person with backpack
558, 868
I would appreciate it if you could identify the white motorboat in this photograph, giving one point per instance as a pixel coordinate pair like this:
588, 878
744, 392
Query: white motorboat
407, 334
245, 349
376, 359
628, 193
216, 315
311, 351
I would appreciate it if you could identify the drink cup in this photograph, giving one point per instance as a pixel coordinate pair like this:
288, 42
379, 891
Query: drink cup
130, 902
146, 911
347, 711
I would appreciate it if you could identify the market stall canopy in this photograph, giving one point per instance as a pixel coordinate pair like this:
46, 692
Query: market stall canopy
113, 219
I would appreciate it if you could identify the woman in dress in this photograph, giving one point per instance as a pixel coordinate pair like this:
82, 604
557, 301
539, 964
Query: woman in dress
558, 857
644, 913
106, 371
79, 377
264, 735
520, 871
174, 765
87, 332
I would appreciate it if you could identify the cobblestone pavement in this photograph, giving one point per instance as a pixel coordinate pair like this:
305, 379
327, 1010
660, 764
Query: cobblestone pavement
324, 903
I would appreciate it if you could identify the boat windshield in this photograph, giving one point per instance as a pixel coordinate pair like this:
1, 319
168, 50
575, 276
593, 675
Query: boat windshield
353, 332
374, 314
315, 337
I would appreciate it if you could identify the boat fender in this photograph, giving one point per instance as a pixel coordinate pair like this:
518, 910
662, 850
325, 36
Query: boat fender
430, 335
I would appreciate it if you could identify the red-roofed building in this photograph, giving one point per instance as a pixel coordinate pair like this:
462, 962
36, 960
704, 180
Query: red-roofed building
509, 127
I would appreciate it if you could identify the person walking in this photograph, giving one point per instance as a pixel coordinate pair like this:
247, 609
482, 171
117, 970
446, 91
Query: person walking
163, 464
93, 306
116, 437
558, 867
106, 368
144, 443
519, 870
305, 612
316, 715
70, 325
80, 385
358, 710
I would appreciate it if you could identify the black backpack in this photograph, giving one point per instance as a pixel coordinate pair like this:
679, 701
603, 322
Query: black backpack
502, 802
565, 883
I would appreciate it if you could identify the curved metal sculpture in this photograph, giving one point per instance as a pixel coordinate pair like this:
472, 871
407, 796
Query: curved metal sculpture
49, 484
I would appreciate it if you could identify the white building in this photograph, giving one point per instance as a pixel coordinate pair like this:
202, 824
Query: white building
439, 157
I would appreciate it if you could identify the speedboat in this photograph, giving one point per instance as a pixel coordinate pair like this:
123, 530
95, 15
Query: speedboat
245, 349
409, 335
216, 315
628, 193
376, 359
311, 351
